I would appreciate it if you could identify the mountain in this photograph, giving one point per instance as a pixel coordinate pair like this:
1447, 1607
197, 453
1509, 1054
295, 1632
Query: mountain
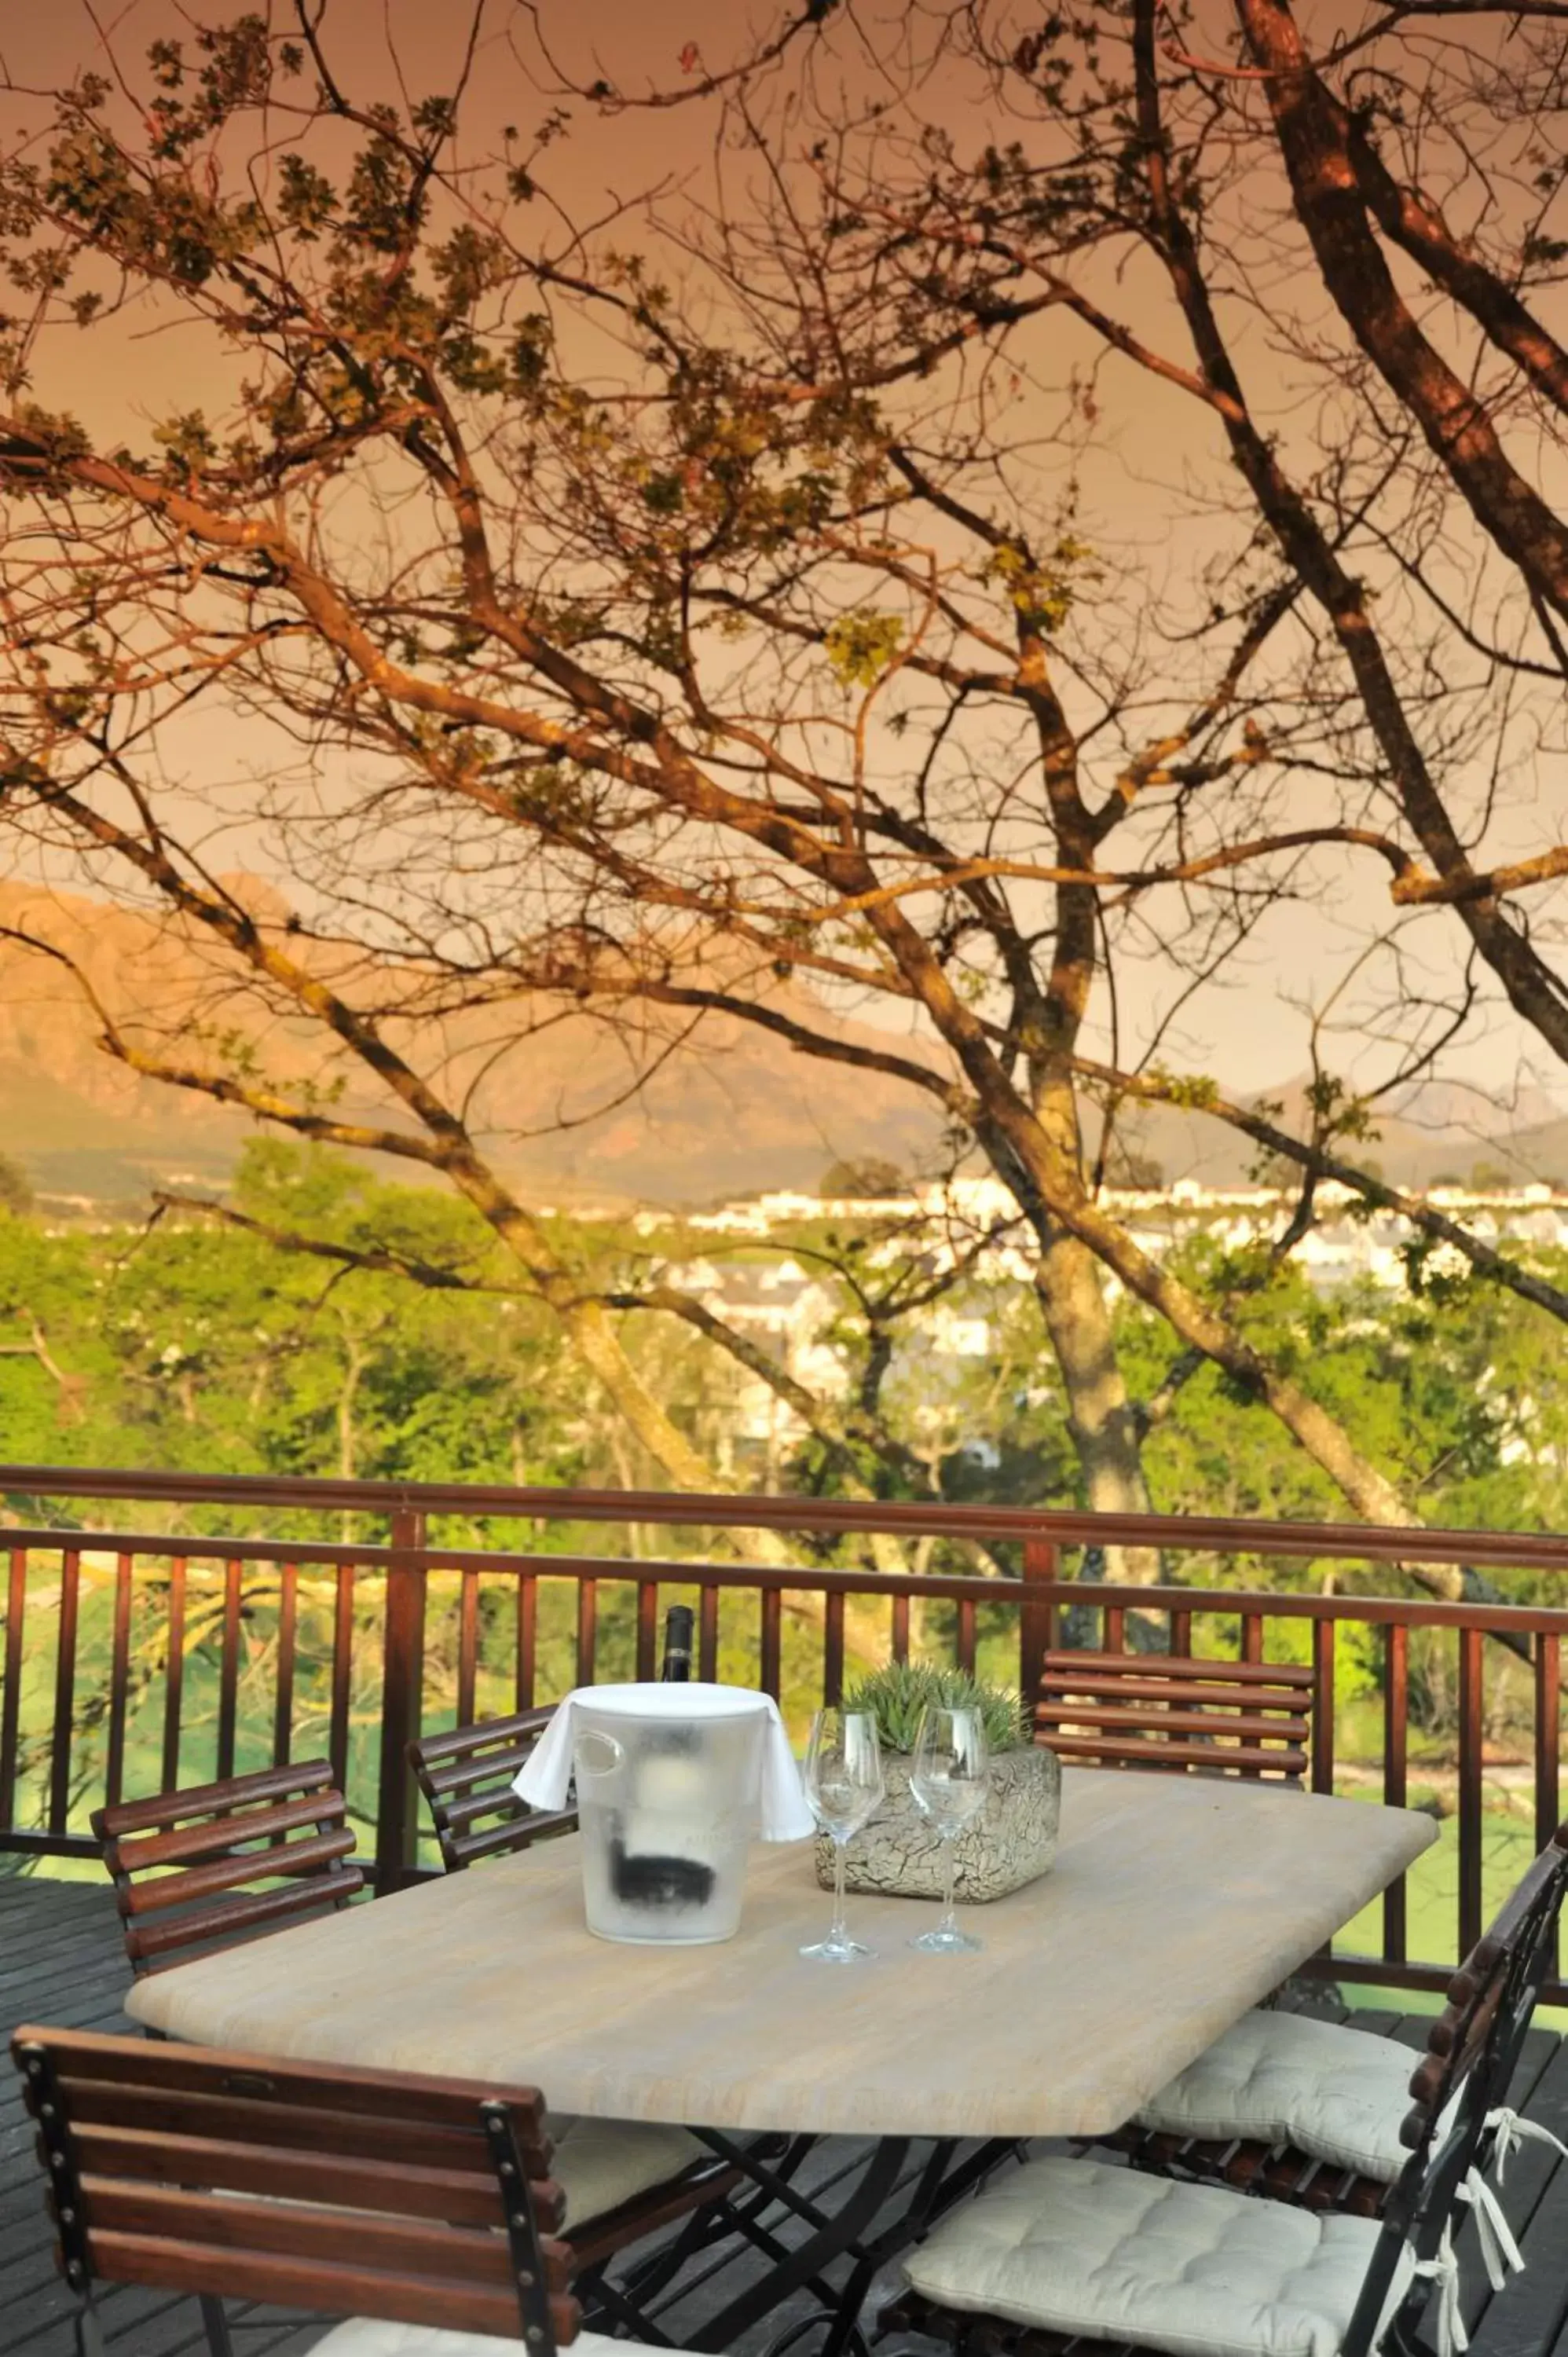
723, 1110
1187, 1145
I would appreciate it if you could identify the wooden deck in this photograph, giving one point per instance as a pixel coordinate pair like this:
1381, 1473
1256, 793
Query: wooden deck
60, 1960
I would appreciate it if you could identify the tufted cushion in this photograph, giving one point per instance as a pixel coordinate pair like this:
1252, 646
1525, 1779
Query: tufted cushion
1075, 2246
1338, 2093
599, 2164
363, 2337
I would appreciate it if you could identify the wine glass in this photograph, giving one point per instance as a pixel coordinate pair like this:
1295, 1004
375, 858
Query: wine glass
947, 1783
842, 1776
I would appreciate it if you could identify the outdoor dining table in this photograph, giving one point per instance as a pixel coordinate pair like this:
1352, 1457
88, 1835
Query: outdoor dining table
1174, 1904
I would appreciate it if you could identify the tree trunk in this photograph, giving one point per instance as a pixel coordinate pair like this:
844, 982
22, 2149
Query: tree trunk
1100, 1415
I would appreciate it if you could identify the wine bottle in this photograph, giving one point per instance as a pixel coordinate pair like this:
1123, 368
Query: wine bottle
677, 1666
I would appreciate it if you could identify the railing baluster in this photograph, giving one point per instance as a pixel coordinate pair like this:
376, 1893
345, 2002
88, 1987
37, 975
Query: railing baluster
342, 1672
1396, 1722
1115, 1638
772, 1618
1470, 1720
1548, 1728
283, 1696
468, 1645
708, 1633
1548, 1723
899, 1632
229, 1667
119, 1683
65, 1690
1037, 1617
1323, 1632
647, 1627
527, 1643
832, 1650
403, 1698
1253, 1637
11, 1700
588, 1629
174, 1673
1181, 1633
966, 1634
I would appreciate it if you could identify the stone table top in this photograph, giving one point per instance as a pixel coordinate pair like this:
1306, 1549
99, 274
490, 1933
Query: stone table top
1174, 1904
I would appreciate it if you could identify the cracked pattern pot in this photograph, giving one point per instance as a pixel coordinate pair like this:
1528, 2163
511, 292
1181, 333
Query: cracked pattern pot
1012, 1841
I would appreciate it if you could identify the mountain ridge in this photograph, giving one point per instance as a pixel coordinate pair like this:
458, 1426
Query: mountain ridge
732, 1110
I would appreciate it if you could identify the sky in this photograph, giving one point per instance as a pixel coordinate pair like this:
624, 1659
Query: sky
1155, 464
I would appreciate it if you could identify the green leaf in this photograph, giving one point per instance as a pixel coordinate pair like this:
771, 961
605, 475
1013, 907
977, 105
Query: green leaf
861, 645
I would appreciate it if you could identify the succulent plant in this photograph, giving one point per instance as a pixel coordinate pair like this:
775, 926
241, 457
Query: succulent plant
896, 1694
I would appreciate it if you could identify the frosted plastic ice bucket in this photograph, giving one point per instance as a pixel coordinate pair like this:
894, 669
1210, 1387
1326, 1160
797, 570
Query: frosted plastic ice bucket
668, 1780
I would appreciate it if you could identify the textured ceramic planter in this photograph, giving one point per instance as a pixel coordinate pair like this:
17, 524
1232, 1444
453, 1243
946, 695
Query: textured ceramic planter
1011, 1842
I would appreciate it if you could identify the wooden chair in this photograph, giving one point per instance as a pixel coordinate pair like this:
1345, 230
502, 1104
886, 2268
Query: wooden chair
367, 2195
466, 1777
1278, 2164
1459, 2096
224, 1861
1173, 1711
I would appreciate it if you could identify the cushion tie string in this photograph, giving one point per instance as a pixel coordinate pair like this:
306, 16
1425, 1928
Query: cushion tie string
1443, 2271
1511, 2131
1500, 2254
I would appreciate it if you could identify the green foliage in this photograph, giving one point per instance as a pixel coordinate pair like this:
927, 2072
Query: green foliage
1042, 591
900, 1692
214, 1348
861, 645
16, 1189
1193, 1091
865, 1178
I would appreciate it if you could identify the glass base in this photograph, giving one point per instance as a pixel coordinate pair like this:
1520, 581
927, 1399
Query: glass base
947, 1943
838, 1951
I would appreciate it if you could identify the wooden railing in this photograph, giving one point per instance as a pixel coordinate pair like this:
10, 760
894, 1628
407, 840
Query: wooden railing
138, 1658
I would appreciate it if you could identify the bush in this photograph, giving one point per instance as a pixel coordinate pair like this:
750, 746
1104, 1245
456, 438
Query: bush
15, 1193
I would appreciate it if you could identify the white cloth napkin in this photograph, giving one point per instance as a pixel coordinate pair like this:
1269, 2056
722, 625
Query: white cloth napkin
783, 1812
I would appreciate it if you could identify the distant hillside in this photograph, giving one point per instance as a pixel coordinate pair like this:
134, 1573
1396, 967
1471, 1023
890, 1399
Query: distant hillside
734, 1108
1410, 1152
727, 1111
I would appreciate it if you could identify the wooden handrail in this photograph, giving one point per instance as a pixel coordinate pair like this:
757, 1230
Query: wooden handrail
1188, 1534
806, 1578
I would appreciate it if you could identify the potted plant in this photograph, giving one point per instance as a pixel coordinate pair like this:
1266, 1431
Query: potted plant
1013, 1840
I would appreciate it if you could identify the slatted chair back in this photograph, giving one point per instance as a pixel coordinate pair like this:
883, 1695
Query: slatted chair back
1459, 2092
219, 1862
466, 1777
1178, 1712
363, 2193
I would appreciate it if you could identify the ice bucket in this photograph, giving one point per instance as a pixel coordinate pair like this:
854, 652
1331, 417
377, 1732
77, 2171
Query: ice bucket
668, 1782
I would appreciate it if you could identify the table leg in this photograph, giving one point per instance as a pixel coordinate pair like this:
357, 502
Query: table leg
833, 2235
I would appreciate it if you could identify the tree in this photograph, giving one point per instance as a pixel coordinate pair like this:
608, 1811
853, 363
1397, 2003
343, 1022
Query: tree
758, 643
15, 1187
1126, 1164
866, 1180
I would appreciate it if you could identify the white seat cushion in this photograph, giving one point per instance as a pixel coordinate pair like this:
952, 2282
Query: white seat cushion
1075, 2246
599, 2164
362, 2336
1336, 2092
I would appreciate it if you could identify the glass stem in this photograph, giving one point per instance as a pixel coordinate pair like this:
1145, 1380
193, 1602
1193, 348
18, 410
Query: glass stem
949, 1868
837, 1931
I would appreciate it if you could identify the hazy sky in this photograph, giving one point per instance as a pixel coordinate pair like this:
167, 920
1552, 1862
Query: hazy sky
1137, 497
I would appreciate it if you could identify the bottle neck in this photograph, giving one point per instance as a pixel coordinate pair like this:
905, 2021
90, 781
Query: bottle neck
677, 1664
